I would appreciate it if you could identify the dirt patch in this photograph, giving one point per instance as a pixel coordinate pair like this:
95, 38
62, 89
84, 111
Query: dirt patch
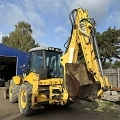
82, 110
102, 106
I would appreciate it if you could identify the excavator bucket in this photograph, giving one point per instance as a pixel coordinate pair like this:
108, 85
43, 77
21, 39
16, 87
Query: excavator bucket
80, 83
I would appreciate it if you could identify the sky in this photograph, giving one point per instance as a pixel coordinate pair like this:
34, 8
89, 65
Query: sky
49, 19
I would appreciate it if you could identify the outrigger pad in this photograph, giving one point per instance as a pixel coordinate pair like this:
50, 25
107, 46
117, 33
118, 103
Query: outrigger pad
80, 83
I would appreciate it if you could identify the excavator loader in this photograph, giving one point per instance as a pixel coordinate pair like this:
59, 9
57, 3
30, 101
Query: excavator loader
52, 77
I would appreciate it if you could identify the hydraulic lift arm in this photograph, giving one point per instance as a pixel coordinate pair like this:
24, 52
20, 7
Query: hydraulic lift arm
83, 34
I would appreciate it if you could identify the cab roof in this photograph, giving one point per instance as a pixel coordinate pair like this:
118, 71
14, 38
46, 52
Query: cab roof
45, 48
38, 48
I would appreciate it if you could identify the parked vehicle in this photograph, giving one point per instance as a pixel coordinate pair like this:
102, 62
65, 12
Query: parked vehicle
2, 82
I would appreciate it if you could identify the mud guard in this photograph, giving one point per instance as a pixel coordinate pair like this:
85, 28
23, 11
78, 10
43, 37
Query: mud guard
16, 79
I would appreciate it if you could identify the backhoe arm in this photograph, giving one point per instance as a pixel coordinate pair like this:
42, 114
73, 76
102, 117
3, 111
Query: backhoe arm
83, 34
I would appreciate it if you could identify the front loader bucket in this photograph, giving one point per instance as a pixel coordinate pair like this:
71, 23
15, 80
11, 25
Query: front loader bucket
80, 83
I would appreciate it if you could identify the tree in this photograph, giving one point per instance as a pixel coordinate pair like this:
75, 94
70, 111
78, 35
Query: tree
21, 38
109, 44
116, 64
107, 65
109, 47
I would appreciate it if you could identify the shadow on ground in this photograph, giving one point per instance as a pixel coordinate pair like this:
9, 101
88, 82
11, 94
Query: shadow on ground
81, 110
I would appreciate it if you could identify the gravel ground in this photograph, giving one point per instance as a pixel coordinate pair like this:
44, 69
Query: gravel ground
78, 111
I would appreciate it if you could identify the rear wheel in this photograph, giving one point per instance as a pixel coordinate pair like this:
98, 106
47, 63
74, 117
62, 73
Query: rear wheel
25, 99
6, 90
13, 92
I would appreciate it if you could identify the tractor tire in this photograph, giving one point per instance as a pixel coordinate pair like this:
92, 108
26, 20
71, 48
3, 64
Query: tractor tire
25, 99
6, 90
13, 92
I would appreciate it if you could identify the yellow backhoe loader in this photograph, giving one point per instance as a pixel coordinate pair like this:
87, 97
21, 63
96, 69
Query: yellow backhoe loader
56, 78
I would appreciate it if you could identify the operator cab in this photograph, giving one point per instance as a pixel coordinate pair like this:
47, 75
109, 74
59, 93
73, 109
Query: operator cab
44, 61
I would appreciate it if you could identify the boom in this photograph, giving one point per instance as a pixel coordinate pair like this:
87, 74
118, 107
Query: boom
83, 34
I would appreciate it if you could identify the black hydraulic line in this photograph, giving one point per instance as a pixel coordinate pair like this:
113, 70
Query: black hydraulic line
95, 45
72, 17
68, 43
97, 52
72, 20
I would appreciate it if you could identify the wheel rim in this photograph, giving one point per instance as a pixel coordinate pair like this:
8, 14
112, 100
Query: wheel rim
23, 98
10, 91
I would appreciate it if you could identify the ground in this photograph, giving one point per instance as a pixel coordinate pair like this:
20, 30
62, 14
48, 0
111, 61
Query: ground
78, 111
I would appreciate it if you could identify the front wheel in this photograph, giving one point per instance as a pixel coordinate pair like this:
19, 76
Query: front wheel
25, 99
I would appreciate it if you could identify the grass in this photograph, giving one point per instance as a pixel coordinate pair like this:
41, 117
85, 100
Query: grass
101, 106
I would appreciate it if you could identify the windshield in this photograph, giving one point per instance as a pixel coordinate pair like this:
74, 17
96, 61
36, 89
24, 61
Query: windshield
49, 61
54, 68
35, 61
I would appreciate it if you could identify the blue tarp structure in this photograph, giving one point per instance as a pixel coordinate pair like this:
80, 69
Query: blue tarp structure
11, 52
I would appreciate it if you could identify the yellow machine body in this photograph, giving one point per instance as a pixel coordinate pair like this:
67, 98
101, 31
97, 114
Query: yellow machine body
80, 36
40, 86
78, 80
